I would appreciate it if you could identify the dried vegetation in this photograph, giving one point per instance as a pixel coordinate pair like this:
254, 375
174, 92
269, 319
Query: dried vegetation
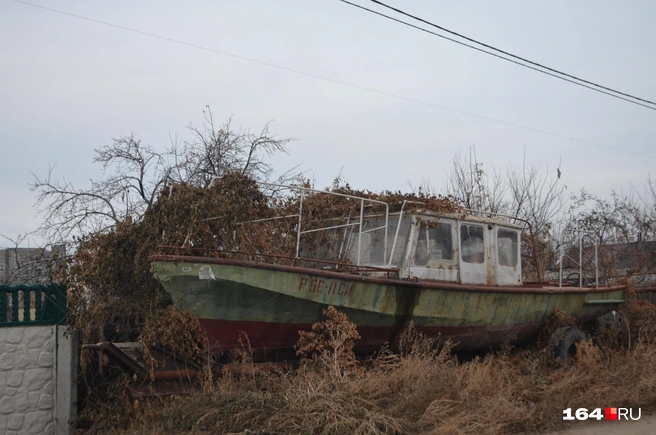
423, 389
113, 295
113, 267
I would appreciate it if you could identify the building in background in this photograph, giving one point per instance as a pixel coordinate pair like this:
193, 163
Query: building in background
28, 265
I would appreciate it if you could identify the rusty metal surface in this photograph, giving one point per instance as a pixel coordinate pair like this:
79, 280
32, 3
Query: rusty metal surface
271, 303
336, 264
424, 284
220, 370
164, 379
120, 357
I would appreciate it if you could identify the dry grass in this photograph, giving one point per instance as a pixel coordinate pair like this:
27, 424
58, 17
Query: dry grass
421, 390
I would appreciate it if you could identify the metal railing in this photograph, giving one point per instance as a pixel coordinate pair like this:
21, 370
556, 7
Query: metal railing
308, 191
32, 305
579, 263
387, 257
279, 259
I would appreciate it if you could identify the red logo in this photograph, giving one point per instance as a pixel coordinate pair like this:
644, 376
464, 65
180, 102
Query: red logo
614, 414
610, 413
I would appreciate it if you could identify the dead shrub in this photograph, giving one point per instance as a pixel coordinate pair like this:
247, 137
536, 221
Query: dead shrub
634, 326
640, 321
416, 344
181, 337
180, 332
587, 355
418, 392
330, 341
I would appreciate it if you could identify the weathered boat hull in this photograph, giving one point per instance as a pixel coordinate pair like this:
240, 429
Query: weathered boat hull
263, 305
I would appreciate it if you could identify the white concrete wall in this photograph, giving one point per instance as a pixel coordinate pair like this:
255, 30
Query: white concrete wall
67, 362
29, 384
27, 380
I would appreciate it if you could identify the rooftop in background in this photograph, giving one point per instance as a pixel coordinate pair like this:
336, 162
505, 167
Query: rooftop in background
28, 265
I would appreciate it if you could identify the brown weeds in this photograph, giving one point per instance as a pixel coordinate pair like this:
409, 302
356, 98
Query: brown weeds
421, 390
330, 341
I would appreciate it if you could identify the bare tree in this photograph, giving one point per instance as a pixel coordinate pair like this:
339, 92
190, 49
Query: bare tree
217, 149
644, 204
624, 227
536, 196
136, 173
471, 186
619, 219
530, 194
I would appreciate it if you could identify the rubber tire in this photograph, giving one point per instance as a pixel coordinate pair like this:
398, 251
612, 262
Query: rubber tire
562, 345
575, 281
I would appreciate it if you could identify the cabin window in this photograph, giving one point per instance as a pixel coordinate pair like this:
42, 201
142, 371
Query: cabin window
373, 242
433, 243
440, 242
507, 248
471, 243
401, 242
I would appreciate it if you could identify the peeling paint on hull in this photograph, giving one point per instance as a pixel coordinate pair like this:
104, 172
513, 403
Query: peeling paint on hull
271, 303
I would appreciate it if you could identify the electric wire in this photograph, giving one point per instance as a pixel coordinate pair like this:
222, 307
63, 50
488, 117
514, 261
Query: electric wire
316, 76
496, 55
501, 51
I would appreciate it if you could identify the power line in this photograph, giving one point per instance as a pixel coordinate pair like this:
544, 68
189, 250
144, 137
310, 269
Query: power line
364, 88
596, 85
495, 55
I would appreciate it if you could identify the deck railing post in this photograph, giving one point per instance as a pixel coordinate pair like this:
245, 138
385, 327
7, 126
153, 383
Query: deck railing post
385, 244
300, 216
396, 233
341, 253
580, 257
360, 231
596, 266
562, 257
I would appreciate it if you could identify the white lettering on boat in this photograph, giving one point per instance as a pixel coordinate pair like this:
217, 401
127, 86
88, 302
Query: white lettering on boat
326, 286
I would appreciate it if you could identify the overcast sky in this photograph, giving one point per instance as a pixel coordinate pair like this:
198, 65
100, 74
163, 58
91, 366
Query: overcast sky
69, 85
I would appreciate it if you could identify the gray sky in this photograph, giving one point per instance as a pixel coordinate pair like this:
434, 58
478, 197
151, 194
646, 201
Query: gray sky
69, 85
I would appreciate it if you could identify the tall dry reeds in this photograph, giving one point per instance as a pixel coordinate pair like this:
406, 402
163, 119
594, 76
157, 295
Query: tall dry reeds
424, 389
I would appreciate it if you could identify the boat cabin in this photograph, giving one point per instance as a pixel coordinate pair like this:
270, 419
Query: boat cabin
465, 248
456, 248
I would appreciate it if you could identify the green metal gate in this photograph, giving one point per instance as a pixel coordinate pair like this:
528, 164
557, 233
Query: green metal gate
22, 305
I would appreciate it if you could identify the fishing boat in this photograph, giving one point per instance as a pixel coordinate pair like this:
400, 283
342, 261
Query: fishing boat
455, 276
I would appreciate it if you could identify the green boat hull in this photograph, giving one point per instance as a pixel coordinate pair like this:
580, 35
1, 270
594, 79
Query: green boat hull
263, 305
